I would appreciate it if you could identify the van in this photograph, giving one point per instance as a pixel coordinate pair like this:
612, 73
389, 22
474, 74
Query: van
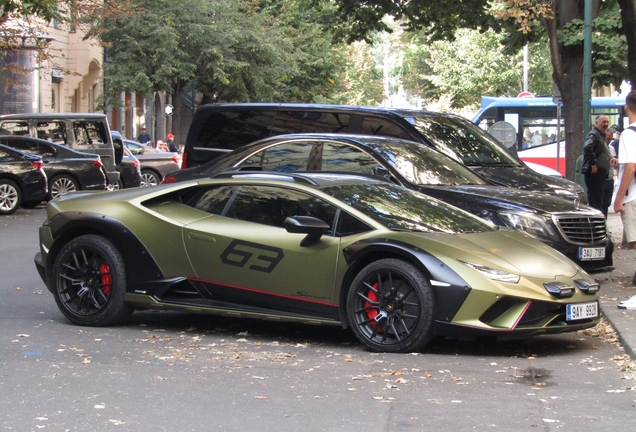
220, 128
87, 133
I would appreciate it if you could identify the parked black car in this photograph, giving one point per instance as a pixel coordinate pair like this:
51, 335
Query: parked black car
129, 171
22, 180
85, 132
577, 231
155, 164
219, 128
67, 170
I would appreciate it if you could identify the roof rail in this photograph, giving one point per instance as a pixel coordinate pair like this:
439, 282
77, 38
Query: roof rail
270, 175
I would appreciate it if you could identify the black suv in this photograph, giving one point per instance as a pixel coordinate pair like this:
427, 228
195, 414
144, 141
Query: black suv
219, 128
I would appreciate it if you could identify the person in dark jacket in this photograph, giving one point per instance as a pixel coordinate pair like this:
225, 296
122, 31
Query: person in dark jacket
143, 137
171, 145
597, 159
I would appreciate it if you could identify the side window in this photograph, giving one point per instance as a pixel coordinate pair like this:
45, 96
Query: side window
272, 205
349, 225
383, 127
287, 122
285, 157
212, 200
89, 134
24, 145
230, 130
14, 128
54, 131
4, 154
344, 158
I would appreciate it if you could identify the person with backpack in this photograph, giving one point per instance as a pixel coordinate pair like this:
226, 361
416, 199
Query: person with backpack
597, 162
625, 201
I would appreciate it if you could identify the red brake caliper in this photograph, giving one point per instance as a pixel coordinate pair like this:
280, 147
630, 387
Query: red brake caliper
107, 279
372, 313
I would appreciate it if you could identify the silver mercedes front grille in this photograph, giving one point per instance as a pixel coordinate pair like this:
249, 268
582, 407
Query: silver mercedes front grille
582, 229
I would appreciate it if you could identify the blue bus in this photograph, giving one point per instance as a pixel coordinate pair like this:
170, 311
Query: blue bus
534, 120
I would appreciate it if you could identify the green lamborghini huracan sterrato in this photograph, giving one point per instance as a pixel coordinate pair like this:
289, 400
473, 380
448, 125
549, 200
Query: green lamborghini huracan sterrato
395, 266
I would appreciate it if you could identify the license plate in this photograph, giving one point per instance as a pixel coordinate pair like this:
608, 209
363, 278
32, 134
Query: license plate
580, 311
591, 254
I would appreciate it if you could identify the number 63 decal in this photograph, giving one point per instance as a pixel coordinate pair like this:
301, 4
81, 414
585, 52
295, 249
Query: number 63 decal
240, 252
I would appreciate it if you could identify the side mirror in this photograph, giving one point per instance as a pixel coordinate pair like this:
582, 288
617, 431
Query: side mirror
118, 145
314, 228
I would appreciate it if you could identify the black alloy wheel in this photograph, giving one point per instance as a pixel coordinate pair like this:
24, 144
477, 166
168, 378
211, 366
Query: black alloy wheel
390, 307
89, 282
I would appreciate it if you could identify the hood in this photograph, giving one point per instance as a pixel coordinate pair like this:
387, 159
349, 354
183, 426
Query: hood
475, 199
507, 250
522, 177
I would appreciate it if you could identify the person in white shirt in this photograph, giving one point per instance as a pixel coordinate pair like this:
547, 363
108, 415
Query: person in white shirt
625, 201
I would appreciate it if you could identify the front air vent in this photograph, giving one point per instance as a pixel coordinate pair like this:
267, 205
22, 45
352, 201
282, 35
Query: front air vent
582, 229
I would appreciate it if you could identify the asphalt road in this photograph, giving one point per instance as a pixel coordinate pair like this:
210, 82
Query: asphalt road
166, 371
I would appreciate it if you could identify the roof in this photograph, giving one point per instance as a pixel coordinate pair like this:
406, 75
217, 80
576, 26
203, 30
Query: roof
52, 116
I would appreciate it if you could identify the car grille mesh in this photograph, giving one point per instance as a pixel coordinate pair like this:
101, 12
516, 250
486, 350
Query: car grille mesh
583, 229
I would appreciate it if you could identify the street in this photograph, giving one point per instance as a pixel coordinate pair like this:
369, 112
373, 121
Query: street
168, 371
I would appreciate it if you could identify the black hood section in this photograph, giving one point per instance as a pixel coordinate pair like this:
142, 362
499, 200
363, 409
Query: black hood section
522, 177
479, 199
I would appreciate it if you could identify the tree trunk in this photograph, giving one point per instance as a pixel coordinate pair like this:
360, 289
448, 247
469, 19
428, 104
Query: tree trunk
628, 15
567, 63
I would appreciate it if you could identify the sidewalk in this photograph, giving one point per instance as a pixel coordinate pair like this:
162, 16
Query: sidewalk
617, 286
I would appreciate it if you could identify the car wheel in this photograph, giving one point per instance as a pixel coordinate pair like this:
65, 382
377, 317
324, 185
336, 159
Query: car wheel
89, 282
149, 178
10, 197
61, 185
390, 307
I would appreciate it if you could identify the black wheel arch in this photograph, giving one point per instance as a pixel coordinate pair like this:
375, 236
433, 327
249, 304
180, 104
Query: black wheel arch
139, 264
448, 298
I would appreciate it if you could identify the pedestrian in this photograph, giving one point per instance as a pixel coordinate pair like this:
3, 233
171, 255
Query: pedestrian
608, 187
162, 146
171, 145
143, 137
625, 202
596, 162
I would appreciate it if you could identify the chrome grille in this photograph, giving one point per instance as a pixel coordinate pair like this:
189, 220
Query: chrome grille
582, 229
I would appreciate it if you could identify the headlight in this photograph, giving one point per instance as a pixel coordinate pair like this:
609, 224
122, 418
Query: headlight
527, 222
494, 274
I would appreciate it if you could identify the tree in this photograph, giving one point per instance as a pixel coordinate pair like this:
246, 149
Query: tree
457, 69
442, 19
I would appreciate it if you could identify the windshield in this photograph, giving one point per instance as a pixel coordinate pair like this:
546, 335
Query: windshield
424, 166
462, 140
401, 209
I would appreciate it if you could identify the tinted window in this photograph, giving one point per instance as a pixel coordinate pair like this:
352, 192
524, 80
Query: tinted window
32, 147
272, 205
462, 140
384, 127
422, 165
54, 131
285, 157
349, 225
213, 200
233, 129
403, 209
89, 134
14, 128
310, 121
345, 158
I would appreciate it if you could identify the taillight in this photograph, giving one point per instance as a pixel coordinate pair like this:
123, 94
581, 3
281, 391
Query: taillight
184, 160
37, 164
136, 162
97, 163
169, 179
175, 159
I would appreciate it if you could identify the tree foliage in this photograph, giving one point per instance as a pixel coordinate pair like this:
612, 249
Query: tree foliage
457, 69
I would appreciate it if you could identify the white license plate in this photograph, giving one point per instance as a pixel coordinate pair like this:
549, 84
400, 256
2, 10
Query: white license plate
591, 254
579, 311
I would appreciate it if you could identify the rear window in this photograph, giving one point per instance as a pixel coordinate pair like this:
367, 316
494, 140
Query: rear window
230, 130
90, 134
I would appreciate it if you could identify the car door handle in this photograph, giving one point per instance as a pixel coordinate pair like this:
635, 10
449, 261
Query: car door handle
201, 237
